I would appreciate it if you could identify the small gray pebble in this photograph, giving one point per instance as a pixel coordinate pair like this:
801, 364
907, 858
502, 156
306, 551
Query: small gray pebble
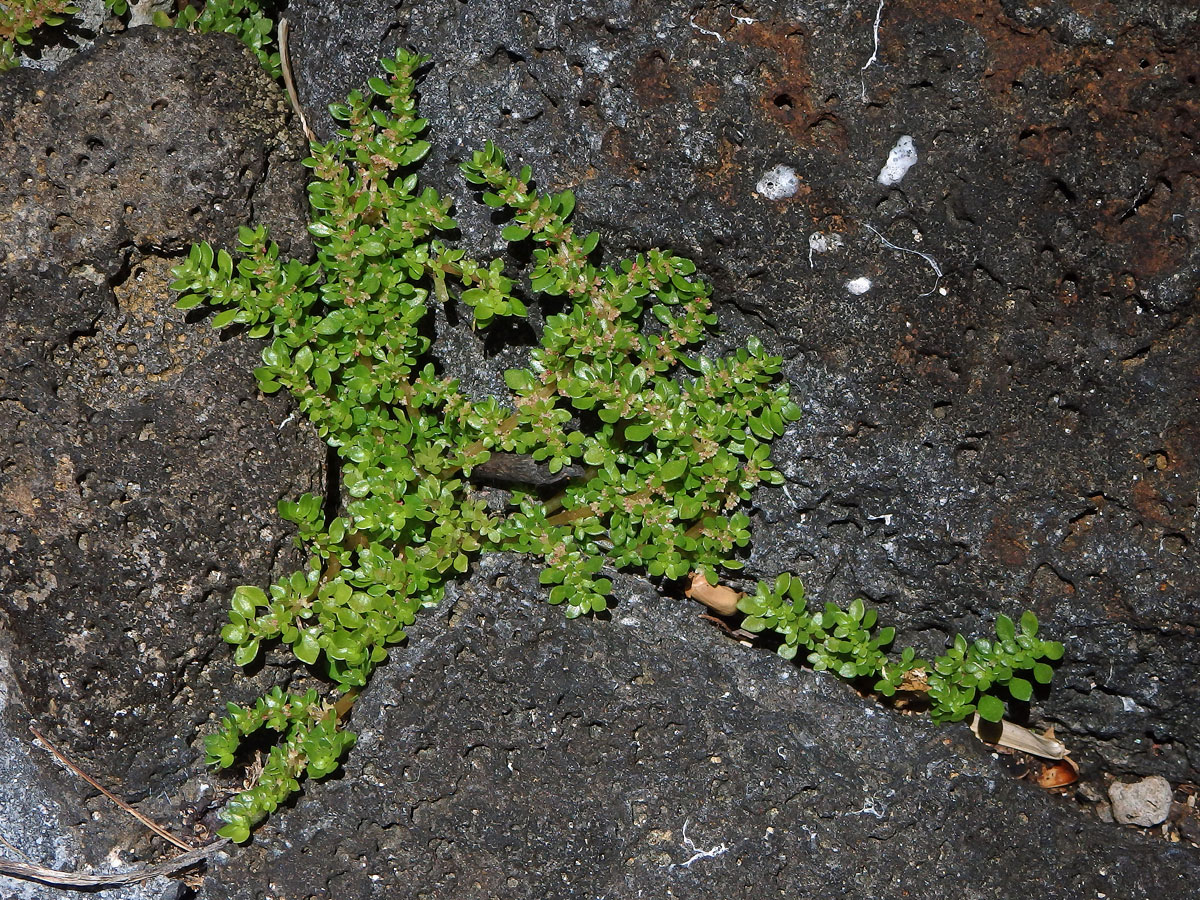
1144, 802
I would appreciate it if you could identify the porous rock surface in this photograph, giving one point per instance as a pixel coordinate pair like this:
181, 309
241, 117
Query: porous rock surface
139, 465
1019, 432
510, 753
1021, 440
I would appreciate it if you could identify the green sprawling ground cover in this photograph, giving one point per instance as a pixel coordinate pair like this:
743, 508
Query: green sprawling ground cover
659, 445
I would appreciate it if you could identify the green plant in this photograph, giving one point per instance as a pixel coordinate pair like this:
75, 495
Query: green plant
965, 675
249, 20
20, 18
960, 682
658, 445
312, 747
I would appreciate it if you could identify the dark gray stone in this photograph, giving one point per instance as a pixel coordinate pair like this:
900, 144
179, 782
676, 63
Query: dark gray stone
1024, 439
139, 465
509, 753
1022, 436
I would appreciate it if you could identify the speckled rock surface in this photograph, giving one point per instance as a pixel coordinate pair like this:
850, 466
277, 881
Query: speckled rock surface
1017, 433
139, 466
510, 753
1014, 432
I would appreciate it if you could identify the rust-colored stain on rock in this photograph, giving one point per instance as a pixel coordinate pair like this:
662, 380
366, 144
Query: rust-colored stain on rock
652, 79
706, 96
1150, 504
1006, 542
1108, 96
786, 81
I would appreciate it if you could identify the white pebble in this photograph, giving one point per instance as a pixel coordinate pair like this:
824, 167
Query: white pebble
859, 285
779, 183
900, 159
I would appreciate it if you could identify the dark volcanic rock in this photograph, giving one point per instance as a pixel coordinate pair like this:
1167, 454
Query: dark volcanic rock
139, 465
510, 753
1018, 433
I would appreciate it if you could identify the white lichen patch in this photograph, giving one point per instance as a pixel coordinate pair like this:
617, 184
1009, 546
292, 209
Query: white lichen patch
900, 159
819, 242
778, 183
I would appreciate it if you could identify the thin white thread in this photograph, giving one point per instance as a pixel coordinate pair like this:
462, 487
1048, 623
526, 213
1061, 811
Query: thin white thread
874, 60
697, 853
925, 256
870, 809
692, 22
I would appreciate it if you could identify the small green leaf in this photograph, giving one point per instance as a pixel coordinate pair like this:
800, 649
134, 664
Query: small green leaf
673, 469
1029, 623
246, 598
1052, 650
245, 654
754, 624
307, 649
1020, 688
238, 832
638, 433
990, 709
519, 380
337, 531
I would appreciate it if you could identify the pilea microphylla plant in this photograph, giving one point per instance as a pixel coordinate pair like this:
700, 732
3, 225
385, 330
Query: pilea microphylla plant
20, 19
249, 20
655, 447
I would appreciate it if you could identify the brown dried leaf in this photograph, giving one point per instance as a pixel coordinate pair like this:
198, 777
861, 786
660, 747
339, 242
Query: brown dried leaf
717, 597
